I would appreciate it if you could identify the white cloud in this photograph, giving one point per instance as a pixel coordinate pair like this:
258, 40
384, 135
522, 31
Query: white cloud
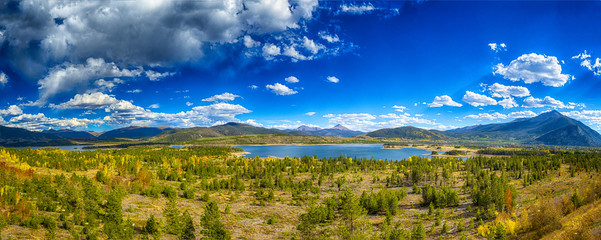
134, 91
224, 97
532, 102
294, 54
502, 91
87, 101
497, 47
104, 85
222, 111
291, 79
333, 79
270, 51
166, 32
587, 63
522, 114
357, 9
250, 43
487, 116
328, 37
508, 103
67, 77
157, 76
310, 113
253, 87
311, 46
156, 105
532, 68
11, 111
38, 122
444, 100
189, 104
280, 89
399, 108
478, 100
582, 56
3, 79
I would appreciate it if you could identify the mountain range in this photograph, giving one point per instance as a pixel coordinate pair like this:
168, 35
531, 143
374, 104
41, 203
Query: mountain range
336, 131
549, 128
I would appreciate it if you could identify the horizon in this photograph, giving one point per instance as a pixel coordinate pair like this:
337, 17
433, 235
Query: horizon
365, 65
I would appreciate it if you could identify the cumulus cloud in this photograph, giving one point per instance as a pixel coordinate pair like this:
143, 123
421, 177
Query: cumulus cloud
310, 113
582, 56
39, 122
478, 100
249, 42
162, 32
502, 91
497, 47
329, 38
134, 91
522, 114
311, 46
224, 97
532, 68
104, 85
333, 79
532, 102
291, 79
444, 100
357, 9
87, 101
156, 105
66, 77
253, 87
270, 51
280, 89
487, 116
157, 76
586, 63
508, 103
189, 104
3, 79
12, 110
399, 108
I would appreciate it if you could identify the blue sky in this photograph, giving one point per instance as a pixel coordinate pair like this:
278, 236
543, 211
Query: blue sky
277, 63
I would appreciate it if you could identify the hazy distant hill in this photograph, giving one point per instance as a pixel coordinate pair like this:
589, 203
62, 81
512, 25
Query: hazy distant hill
228, 129
66, 133
550, 128
407, 132
17, 137
133, 132
336, 131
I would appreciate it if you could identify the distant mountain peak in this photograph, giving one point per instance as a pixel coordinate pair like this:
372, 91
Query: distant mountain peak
305, 128
340, 127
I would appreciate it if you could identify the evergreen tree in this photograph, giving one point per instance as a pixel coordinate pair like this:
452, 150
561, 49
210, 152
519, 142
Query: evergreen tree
171, 214
419, 231
350, 210
211, 223
188, 228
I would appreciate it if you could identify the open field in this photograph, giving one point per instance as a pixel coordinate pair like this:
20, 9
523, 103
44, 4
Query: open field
113, 194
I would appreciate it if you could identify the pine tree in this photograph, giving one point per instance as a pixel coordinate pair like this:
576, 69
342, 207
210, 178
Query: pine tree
419, 231
350, 210
171, 213
211, 223
188, 229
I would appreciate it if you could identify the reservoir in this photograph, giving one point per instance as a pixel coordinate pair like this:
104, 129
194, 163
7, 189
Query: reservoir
334, 150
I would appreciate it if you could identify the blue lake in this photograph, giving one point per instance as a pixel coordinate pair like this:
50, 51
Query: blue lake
68, 148
350, 150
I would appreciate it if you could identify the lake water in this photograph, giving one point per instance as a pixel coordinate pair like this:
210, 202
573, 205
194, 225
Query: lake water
68, 148
334, 150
